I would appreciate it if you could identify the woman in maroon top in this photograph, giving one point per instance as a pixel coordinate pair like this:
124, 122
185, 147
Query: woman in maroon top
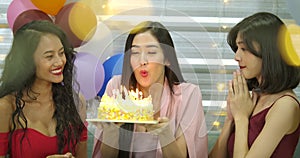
265, 122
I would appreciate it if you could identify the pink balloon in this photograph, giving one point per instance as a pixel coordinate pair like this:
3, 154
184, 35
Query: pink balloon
89, 74
15, 8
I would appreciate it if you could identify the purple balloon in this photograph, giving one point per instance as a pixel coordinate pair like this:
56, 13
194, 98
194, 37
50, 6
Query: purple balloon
89, 73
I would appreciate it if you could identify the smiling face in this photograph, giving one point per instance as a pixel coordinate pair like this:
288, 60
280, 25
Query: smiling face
50, 59
250, 65
147, 60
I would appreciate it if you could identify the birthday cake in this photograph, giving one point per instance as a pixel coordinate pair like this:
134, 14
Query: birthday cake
126, 105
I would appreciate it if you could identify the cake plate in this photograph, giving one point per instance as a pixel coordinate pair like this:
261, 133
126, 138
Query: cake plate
123, 121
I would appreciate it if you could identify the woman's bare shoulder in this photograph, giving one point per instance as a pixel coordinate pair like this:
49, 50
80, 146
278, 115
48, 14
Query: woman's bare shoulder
6, 104
82, 107
287, 109
6, 110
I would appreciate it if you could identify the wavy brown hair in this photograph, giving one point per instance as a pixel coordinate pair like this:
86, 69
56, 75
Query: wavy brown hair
20, 72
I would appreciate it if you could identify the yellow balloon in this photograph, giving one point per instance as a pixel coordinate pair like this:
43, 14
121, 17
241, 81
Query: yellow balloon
290, 37
82, 21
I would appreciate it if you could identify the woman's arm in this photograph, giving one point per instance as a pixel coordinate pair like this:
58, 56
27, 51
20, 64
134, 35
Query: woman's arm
220, 148
282, 119
107, 140
6, 110
171, 146
81, 147
192, 122
108, 151
176, 148
190, 138
241, 137
82, 108
110, 143
241, 107
100, 149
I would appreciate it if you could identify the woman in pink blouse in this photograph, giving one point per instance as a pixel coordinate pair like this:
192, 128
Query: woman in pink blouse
151, 66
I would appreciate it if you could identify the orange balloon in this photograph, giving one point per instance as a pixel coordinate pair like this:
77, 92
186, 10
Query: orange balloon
82, 21
62, 20
51, 7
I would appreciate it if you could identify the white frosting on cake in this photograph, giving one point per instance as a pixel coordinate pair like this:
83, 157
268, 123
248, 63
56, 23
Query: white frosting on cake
132, 107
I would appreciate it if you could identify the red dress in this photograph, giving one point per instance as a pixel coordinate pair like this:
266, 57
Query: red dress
285, 148
34, 144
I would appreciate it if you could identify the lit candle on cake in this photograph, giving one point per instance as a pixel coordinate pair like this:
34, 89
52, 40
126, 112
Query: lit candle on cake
141, 95
132, 107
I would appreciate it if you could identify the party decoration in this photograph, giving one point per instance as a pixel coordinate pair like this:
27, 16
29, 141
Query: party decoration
112, 66
100, 43
78, 21
90, 74
49, 6
290, 44
15, 8
83, 21
28, 16
61, 20
294, 6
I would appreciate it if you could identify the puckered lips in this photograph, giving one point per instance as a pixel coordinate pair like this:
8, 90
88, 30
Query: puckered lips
242, 67
57, 71
144, 73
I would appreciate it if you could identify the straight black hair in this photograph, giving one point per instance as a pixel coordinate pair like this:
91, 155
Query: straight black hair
263, 28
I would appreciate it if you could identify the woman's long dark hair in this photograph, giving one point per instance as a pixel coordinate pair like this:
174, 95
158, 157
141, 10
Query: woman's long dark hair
264, 29
20, 72
172, 71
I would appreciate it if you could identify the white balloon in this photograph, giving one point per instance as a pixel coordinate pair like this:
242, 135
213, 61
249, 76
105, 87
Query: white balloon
101, 44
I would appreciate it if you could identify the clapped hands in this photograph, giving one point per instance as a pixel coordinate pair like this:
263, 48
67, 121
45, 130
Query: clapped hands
239, 100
